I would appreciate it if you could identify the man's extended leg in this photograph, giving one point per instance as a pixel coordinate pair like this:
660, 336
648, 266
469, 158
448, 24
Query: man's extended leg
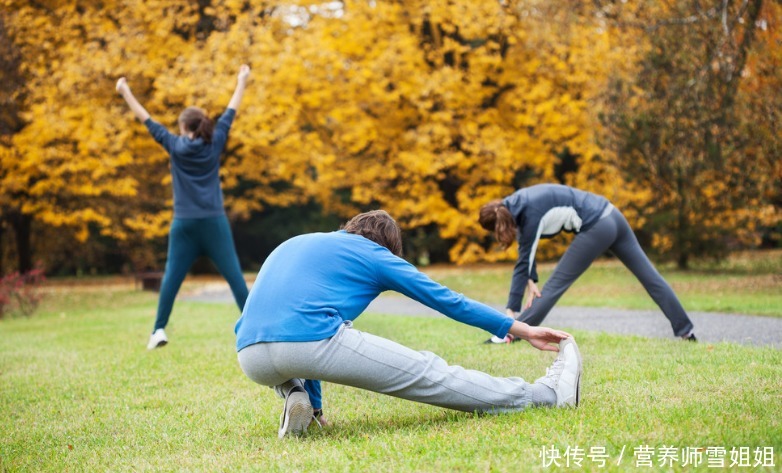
365, 361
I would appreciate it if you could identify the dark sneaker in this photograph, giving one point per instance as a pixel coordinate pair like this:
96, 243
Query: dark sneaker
690, 337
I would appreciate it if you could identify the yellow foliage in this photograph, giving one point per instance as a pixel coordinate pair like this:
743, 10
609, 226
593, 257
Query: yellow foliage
425, 108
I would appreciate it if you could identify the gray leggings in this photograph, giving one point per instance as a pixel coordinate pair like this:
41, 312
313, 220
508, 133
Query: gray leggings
613, 233
359, 359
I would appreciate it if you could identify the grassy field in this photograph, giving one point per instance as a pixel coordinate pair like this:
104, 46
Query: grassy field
80, 392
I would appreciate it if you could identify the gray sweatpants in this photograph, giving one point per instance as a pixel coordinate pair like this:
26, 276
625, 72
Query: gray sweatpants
359, 359
613, 233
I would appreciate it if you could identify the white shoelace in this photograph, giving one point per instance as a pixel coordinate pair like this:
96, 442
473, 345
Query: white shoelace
556, 368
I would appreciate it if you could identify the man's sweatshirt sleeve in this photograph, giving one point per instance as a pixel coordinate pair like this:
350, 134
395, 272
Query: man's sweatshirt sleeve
397, 274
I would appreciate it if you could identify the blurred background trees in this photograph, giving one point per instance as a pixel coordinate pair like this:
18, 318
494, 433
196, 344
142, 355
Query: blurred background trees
685, 125
427, 109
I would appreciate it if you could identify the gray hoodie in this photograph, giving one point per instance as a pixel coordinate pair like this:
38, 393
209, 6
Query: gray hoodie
542, 211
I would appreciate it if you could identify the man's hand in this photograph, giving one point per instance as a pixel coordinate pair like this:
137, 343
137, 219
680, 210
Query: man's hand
542, 338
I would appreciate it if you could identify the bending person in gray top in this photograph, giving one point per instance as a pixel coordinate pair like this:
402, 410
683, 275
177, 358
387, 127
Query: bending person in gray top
545, 210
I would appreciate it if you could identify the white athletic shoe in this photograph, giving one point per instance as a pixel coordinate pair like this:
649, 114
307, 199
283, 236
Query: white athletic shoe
502, 341
296, 414
157, 339
564, 375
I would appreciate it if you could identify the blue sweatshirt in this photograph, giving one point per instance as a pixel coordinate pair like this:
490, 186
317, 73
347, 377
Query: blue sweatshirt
195, 168
543, 211
313, 283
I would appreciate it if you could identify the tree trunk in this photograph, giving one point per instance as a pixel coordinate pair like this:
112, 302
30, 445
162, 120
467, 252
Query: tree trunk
682, 261
683, 226
2, 229
22, 224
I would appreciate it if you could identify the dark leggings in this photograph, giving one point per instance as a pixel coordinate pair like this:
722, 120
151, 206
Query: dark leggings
188, 239
609, 233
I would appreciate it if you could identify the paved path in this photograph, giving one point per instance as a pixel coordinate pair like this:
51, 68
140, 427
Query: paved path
709, 327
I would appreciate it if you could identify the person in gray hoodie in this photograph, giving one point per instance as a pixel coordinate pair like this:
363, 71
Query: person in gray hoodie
200, 226
545, 210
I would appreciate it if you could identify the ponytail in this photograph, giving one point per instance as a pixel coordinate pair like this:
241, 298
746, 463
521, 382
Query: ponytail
495, 217
195, 121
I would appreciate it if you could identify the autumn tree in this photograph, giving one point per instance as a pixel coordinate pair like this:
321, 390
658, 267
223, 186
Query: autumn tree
427, 109
11, 98
681, 128
59, 168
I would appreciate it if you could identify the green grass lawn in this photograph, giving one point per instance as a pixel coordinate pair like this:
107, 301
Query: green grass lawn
80, 392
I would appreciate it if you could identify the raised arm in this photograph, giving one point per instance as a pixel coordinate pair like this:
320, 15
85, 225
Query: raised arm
241, 83
138, 110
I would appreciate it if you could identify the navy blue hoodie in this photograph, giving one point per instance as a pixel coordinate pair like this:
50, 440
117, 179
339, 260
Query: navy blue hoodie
195, 168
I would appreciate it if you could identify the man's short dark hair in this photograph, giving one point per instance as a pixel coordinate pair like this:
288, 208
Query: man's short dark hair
378, 226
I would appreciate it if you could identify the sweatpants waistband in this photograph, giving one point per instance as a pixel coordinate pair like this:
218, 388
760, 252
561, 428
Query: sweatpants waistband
607, 211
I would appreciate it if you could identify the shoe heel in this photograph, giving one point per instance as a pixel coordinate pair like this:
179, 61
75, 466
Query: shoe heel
297, 414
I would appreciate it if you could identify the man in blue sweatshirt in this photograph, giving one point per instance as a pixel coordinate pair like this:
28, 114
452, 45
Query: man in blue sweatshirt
296, 329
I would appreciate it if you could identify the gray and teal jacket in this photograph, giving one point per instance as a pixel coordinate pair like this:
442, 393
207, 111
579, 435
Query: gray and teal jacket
543, 211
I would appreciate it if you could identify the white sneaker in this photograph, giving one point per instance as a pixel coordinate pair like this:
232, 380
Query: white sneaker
497, 340
564, 375
296, 414
157, 339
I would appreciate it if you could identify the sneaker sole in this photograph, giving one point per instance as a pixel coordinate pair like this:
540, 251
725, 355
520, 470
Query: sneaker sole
161, 343
297, 414
501, 342
578, 377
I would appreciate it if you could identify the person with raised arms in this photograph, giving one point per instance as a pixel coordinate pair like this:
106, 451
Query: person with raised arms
200, 226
